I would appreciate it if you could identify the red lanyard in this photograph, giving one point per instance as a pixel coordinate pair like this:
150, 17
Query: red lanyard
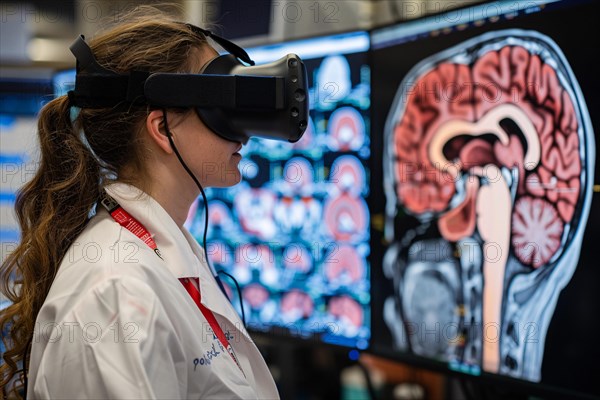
134, 226
128, 222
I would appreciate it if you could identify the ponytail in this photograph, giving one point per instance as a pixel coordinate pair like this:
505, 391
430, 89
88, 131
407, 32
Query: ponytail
52, 209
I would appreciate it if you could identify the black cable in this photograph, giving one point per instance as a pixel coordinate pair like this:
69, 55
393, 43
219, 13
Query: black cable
190, 173
237, 286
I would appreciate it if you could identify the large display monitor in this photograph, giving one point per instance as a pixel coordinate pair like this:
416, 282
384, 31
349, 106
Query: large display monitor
483, 119
295, 233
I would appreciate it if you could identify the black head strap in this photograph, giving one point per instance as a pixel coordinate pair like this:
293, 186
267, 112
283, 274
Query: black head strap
227, 45
98, 87
85, 58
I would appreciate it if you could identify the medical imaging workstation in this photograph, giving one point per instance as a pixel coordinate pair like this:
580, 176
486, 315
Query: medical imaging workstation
440, 213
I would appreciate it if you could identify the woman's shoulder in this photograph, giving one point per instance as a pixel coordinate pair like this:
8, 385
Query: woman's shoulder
105, 247
104, 257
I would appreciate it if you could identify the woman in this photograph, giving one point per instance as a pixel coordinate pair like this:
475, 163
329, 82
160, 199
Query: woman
105, 313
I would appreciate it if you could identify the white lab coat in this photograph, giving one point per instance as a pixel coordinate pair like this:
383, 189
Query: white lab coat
117, 323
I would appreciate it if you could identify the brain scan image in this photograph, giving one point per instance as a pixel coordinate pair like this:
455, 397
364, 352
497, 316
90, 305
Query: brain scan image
297, 209
220, 217
346, 129
219, 253
255, 295
254, 208
488, 174
297, 259
255, 259
347, 314
258, 302
344, 266
346, 217
348, 175
298, 177
296, 305
332, 81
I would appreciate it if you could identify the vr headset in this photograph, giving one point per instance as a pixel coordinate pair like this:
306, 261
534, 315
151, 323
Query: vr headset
234, 100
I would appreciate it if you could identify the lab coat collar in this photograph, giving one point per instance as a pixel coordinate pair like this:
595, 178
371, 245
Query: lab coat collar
172, 243
182, 254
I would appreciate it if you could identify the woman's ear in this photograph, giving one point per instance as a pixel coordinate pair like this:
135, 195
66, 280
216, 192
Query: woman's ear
155, 127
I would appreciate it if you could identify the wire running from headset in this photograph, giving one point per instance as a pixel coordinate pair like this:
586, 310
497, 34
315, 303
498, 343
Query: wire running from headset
191, 174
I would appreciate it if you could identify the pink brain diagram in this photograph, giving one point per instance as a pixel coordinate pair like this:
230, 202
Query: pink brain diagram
490, 142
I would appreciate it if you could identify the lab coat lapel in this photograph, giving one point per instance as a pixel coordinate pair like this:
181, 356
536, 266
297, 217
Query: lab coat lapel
211, 295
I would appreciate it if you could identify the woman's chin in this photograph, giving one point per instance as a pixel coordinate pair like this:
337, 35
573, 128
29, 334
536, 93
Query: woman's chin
231, 179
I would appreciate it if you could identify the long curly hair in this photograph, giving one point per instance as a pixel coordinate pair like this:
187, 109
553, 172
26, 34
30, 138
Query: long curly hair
80, 154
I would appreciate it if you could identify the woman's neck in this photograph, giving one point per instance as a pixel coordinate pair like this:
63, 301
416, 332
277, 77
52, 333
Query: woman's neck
175, 195
176, 204
175, 199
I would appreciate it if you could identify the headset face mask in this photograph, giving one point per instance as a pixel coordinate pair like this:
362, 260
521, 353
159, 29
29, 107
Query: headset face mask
234, 100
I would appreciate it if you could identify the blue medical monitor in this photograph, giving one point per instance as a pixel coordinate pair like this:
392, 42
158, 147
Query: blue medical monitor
295, 233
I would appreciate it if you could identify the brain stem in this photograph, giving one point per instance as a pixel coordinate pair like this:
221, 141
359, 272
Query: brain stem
493, 215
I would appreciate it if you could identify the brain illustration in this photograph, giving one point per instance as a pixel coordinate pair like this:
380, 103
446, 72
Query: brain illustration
505, 109
490, 150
